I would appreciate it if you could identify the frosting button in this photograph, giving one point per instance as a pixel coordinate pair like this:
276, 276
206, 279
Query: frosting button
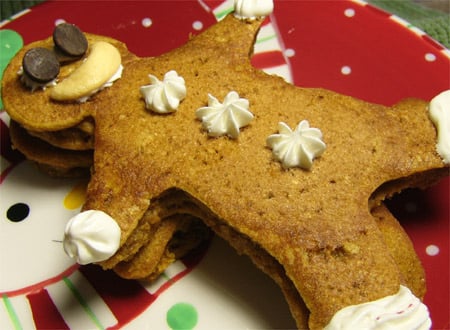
91, 236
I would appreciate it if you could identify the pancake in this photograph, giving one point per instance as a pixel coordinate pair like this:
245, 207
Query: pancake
314, 223
172, 239
54, 161
79, 137
402, 250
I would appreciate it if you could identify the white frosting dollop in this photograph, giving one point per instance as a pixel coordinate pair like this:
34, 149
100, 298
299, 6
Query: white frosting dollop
439, 110
252, 9
296, 148
225, 118
91, 236
164, 96
402, 311
32, 84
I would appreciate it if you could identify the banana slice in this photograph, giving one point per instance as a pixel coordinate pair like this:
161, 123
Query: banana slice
101, 64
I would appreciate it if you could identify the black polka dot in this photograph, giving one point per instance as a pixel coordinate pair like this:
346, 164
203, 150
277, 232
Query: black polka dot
18, 212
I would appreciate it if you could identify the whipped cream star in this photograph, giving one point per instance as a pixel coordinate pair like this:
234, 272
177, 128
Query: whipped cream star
225, 118
296, 148
164, 96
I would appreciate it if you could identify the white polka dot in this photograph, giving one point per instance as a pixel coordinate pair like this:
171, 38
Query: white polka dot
429, 57
346, 70
197, 25
432, 250
147, 22
59, 21
289, 52
349, 12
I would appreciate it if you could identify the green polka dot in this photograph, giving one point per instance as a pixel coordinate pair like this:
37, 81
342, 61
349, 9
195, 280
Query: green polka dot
182, 316
10, 43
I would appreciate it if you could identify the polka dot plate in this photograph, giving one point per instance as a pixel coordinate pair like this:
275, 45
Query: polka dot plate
347, 46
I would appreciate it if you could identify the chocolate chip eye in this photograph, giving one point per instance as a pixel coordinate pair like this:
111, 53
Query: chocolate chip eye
70, 39
18, 212
40, 64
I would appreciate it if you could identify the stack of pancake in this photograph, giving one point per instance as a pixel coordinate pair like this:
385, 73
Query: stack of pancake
62, 153
322, 234
57, 136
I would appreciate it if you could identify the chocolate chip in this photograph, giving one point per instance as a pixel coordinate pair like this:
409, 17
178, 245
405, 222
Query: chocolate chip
40, 64
69, 39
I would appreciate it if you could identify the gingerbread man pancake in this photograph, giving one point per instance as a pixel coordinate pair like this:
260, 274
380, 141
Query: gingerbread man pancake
308, 224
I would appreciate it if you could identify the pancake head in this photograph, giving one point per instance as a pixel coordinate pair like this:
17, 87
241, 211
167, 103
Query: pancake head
35, 110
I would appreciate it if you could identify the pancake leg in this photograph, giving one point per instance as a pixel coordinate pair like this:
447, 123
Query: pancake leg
173, 238
402, 250
155, 256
